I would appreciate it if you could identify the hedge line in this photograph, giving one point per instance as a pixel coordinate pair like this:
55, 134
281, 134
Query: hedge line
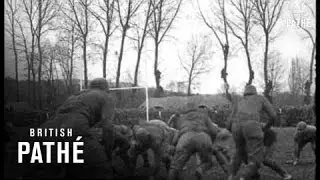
134, 116
289, 116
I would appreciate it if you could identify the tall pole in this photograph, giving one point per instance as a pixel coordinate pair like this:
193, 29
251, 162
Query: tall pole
147, 94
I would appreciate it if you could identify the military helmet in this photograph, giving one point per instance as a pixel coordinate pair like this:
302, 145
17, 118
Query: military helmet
142, 134
250, 90
99, 83
301, 125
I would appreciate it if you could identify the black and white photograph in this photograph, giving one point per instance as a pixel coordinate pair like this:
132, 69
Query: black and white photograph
160, 89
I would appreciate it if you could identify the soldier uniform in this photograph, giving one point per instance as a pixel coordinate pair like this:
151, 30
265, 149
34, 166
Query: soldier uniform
304, 134
248, 132
155, 135
81, 112
122, 139
196, 135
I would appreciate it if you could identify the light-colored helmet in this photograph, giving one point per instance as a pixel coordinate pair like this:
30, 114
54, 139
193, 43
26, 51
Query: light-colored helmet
250, 90
99, 83
301, 125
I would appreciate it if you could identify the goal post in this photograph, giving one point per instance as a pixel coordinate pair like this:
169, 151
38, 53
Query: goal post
136, 87
146, 93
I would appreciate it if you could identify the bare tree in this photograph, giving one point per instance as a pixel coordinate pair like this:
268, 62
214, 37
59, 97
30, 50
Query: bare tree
220, 31
241, 26
197, 55
276, 71
69, 40
25, 51
164, 13
309, 31
297, 76
267, 14
140, 35
62, 54
107, 21
126, 10
30, 10
80, 17
11, 14
47, 11
49, 59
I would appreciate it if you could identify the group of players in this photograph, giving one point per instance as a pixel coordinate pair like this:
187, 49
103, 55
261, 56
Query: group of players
191, 132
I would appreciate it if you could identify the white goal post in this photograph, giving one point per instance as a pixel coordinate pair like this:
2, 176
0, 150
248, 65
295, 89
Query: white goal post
138, 87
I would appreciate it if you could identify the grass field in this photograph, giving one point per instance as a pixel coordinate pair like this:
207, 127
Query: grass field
303, 171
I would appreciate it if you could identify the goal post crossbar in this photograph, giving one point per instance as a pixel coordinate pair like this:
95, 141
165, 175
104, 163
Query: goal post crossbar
125, 88
138, 87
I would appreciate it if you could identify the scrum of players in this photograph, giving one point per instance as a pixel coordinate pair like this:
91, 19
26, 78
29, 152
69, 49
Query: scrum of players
245, 140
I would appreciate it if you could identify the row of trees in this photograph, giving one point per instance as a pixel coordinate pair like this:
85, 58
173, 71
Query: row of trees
240, 19
32, 23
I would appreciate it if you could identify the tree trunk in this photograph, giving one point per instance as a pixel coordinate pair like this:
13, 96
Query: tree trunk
136, 71
71, 70
28, 65
39, 74
40, 53
120, 56
105, 53
29, 82
157, 78
311, 63
140, 46
16, 63
34, 88
307, 98
265, 68
251, 75
85, 62
189, 85
33, 73
224, 73
50, 82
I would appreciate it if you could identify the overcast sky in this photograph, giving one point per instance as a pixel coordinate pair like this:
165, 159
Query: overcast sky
289, 44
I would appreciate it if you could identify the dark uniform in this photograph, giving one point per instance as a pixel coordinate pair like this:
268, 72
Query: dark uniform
196, 135
122, 138
81, 112
304, 134
155, 135
248, 132
224, 143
